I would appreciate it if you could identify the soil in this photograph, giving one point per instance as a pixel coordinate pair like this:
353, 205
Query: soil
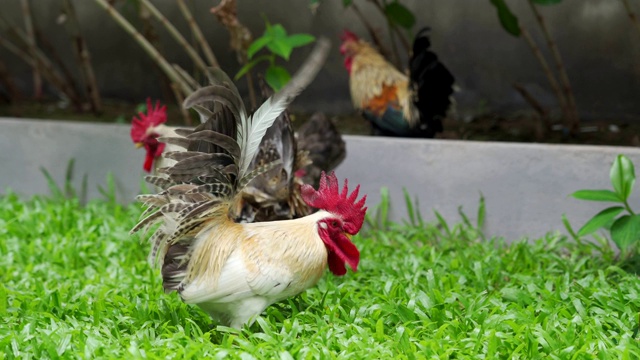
486, 127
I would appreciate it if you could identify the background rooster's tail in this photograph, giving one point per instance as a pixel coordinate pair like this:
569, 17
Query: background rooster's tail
432, 84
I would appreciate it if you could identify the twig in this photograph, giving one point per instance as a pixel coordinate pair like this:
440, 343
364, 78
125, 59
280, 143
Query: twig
394, 46
146, 46
44, 65
401, 35
632, 15
372, 32
56, 59
573, 120
51, 76
195, 29
149, 33
180, 99
547, 71
239, 37
83, 57
176, 35
543, 112
531, 100
31, 43
186, 77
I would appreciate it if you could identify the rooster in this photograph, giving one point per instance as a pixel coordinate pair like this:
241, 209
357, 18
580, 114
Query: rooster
396, 104
234, 271
145, 131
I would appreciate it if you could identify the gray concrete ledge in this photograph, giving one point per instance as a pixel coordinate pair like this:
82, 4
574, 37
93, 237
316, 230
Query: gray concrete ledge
526, 186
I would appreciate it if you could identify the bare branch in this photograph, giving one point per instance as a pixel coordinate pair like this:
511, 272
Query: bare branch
176, 35
195, 29
372, 32
151, 51
547, 71
632, 15
573, 120
83, 57
31, 43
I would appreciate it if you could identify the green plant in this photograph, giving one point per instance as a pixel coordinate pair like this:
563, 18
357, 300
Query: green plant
280, 44
625, 229
560, 84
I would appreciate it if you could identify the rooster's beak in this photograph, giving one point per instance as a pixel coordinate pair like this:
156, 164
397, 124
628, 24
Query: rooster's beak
139, 145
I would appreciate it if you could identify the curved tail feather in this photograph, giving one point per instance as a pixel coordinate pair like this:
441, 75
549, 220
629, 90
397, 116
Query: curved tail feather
432, 84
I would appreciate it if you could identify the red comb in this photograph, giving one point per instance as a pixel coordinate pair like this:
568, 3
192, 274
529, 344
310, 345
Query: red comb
328, 197
348, 36
155, 116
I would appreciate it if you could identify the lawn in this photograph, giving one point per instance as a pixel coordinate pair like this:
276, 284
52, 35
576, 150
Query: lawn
75, 284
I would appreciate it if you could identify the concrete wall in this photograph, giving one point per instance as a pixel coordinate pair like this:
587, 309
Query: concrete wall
597, 41
526, 186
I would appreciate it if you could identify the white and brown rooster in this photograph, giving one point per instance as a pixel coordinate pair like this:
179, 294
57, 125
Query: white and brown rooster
231, 270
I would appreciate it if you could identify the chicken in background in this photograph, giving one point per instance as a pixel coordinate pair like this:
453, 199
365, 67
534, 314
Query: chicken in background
231, 270
145, 131
396, 104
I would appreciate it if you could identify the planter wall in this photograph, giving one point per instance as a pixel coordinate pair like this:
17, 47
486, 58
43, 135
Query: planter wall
526, 186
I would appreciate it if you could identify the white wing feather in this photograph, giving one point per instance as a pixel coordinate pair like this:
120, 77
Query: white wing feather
254, 127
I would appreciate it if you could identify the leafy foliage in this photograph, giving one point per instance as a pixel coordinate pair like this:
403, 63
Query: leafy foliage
507, 19
75, 284
280, 44
399, 14
625, 230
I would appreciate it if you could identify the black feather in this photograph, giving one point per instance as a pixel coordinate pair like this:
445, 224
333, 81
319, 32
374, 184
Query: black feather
432, 84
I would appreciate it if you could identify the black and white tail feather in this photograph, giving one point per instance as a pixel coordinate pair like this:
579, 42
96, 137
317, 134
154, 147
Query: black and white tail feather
215, 165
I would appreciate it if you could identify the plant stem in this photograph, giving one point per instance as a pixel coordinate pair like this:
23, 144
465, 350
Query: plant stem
48, 73
239, 37
372, 32
180, 99
626, 206
57, 60
632, 15
83, 57
149, 33
155, 55
573, 120
31, 43
43, 63
562, 101
394, 46
195, 29
176, 35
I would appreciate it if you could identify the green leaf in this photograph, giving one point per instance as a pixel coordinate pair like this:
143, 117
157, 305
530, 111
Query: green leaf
547, 2
398, 14
347, 3
298, 40
508, 21
250, 65
567, 225
622, 176
277, 77
626, 231
280, 48
600, 220
257, 44
596, 195
276, 31
481, 213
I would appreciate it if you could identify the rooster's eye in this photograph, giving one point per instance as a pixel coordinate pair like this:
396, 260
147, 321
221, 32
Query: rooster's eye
334, 223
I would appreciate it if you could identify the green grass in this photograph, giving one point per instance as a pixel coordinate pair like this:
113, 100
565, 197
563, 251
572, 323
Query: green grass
74, 284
